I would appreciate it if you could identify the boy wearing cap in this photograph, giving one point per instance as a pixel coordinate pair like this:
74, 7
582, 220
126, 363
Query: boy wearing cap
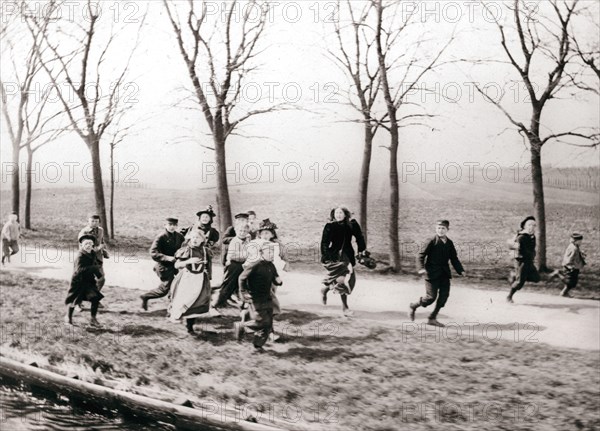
240, 218
255, 285
84, 286
236, 255
433, 261
573, 262
10, 237
525, 269
93, 228
162, 252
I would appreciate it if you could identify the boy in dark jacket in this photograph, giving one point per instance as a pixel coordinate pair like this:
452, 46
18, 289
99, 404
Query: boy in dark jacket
524, 270
162, 252
255, 289
84, 286
433, 261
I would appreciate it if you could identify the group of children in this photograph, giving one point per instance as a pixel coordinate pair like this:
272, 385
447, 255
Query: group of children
184, 265
253, 256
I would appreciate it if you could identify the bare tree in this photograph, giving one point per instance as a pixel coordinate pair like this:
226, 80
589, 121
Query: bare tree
18, 88
396, 54
218, 57
94, 98
547, 39
39, 133
356, 56
589, 53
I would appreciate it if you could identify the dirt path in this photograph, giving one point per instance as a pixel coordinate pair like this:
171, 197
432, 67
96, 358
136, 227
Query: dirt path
564, 322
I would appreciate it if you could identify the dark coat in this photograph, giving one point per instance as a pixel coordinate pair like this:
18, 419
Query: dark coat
256, 281
83, 281
434, 257
337, 237
525, 247
164, 246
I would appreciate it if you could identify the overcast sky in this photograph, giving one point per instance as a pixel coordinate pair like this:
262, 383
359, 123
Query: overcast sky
164, 147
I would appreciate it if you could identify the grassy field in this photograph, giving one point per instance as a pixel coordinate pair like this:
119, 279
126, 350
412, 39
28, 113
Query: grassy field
324, 373
483, 217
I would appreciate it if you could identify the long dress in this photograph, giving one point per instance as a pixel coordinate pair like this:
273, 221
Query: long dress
338, 254
190, 291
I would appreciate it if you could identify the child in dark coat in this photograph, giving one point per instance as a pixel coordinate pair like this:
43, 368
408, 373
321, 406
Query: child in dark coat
433, 261
525, 269
337, 255
255, 289
84, 286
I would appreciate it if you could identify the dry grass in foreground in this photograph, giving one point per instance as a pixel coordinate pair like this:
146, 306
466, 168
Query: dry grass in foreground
324, 374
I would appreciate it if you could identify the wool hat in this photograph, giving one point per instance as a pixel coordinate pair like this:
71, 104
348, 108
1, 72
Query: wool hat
172, 220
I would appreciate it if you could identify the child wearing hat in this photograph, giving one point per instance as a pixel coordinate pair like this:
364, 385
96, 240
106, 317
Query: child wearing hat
573, 262
433, 261
525, 269
10, 237
238, 219
236, 255
93, 228
255, 285
191, 288
267, 232
84, 286
162, 251
204, 223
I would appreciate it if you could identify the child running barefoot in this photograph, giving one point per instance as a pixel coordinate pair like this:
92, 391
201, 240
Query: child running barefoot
84, 286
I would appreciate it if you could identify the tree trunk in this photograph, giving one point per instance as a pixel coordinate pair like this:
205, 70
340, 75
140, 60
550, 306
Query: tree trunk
539, 208
94, 147
392, 113
112, 192
363, 183
28, 189
222, 188
16, 197
394, 197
